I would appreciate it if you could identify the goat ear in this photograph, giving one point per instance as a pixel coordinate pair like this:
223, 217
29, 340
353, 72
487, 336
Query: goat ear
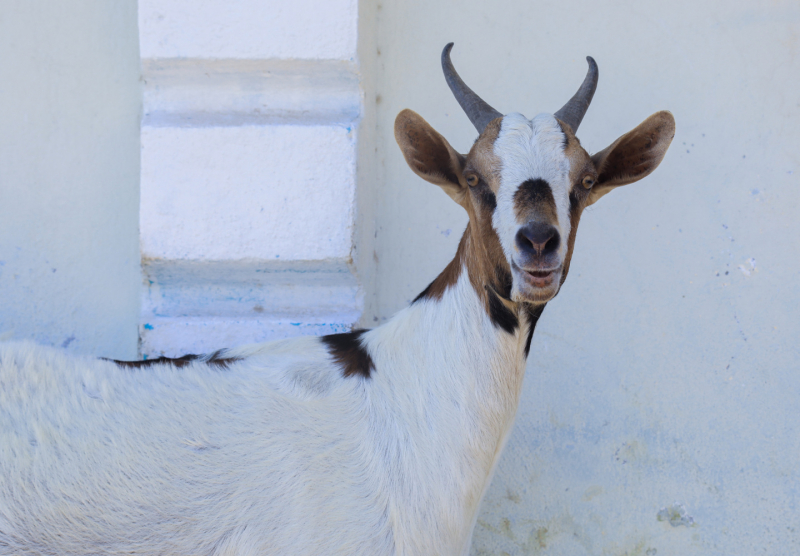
634, 155
429, 154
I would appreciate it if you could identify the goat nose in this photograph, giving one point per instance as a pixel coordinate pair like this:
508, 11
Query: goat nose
538, 239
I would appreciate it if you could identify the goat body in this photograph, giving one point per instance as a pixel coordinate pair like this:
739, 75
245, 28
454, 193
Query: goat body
378, 442
279, 453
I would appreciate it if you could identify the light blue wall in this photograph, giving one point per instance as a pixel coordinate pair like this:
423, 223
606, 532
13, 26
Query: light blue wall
70, 105
666, 374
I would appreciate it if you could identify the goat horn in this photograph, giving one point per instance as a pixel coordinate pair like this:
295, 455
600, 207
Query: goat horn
574, 110
479, 113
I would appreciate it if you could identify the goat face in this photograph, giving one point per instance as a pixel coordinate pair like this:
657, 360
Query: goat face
526, 182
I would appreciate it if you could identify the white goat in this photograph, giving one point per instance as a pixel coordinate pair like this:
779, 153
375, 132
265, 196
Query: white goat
376, 442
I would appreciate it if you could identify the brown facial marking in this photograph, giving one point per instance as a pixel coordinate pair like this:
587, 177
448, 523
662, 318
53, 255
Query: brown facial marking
483, 256
348, 352
479, 204
580, 162
481, 157
534, 200
480, 251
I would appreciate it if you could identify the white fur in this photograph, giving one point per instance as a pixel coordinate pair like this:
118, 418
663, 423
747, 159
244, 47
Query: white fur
530, 149
278, 454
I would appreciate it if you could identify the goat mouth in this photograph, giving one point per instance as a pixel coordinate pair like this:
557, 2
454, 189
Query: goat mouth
539, 278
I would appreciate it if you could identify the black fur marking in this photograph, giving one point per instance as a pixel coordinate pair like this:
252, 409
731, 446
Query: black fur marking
176, 362
574, 201
534, 312
504, 281
216, 359
347, 350
500, 315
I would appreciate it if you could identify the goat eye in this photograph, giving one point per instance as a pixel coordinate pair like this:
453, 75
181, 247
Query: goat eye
472, 180
588, 182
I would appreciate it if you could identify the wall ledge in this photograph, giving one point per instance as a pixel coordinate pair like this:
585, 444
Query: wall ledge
203, 306
192, 92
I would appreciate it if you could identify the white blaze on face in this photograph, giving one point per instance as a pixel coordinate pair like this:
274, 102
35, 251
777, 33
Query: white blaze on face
530, 149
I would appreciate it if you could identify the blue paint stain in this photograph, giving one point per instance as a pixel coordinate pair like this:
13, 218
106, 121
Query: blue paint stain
295, 323
148, 326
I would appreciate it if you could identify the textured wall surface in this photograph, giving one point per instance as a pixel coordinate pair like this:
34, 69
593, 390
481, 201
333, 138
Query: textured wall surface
660, 410
249, 145
70, 103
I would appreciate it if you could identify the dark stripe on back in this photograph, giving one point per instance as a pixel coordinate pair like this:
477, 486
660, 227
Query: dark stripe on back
347, 350
216, 359
500, 315
534, 312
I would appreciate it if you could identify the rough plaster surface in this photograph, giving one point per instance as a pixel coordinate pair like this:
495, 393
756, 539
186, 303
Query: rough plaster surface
248, 164
255, 29
69, 175
660, 410
264, 192
201, 306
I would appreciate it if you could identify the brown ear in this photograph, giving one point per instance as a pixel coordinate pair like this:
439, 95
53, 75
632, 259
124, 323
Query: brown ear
634, 155
429, 154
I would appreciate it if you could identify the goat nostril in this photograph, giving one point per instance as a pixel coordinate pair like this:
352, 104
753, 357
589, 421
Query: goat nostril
552, 244
538, 239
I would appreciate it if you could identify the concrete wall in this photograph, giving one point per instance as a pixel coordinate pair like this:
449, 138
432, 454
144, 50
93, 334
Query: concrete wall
660, 411
249, 145
70, 103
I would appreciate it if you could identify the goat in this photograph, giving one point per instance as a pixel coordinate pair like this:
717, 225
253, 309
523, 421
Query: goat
371, 442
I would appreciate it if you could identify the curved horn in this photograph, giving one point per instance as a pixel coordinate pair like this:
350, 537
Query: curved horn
574, 110
479, 113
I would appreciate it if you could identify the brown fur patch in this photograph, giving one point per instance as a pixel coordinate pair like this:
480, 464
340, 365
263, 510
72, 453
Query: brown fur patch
349, 353
482, 159
576, 206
